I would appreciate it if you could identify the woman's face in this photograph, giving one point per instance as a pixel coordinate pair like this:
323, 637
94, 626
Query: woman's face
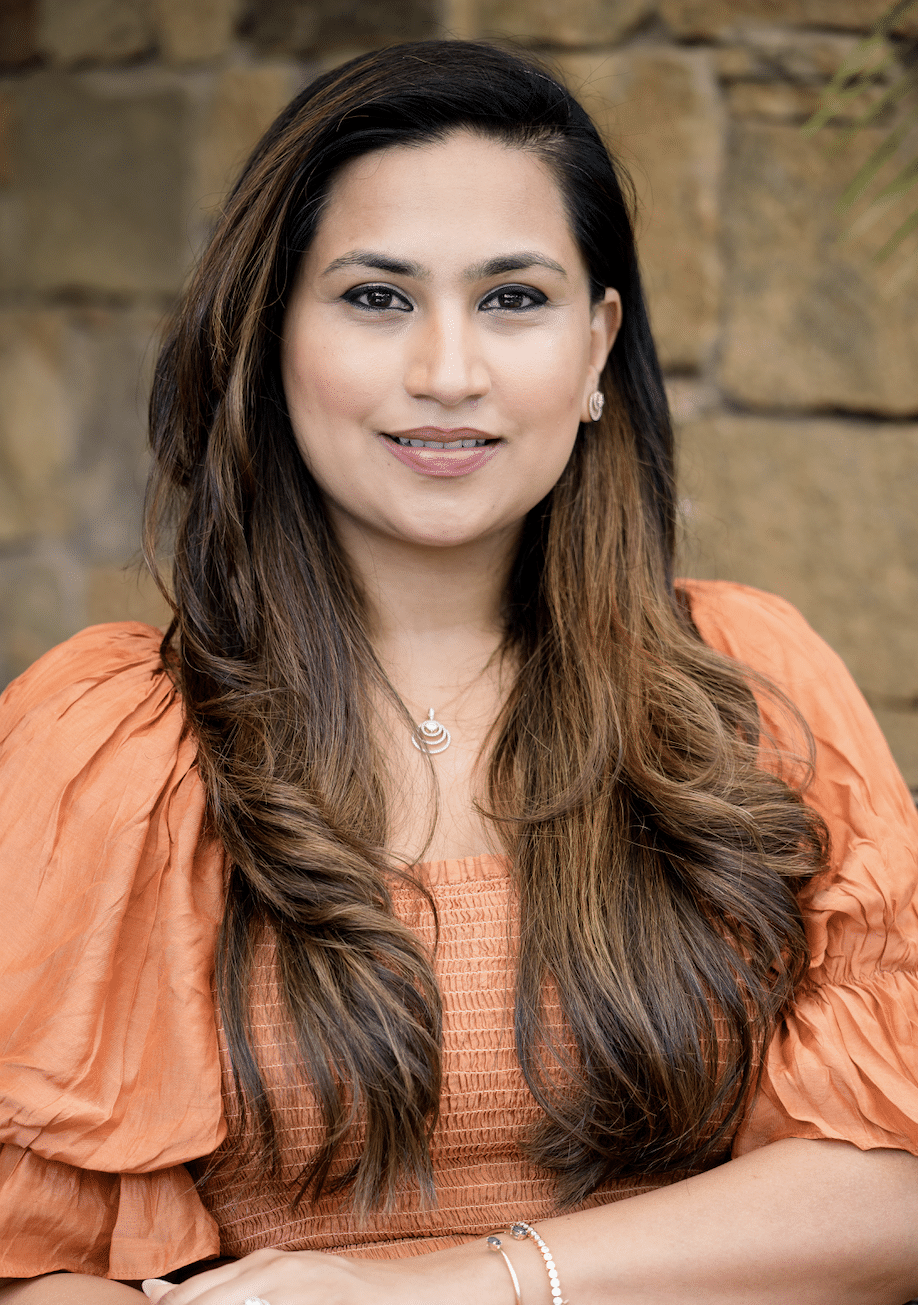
442, 300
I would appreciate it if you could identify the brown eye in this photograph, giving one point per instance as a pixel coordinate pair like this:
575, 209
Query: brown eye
513, 299
378, 298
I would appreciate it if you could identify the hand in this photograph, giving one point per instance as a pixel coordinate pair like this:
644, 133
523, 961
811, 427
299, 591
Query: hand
277, 1277
308, 1278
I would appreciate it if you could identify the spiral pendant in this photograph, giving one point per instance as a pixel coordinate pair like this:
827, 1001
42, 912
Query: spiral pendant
430, 735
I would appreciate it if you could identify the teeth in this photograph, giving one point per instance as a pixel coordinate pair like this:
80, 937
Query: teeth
440, 444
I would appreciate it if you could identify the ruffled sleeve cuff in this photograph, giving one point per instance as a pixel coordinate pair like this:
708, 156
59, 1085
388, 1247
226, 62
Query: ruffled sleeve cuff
843, 1064
109, 1070
55, 1218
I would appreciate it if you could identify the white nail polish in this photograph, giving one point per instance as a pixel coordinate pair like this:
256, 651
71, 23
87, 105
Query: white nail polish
154, 1282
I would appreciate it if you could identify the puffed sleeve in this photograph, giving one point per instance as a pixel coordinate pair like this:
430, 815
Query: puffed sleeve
111, 895
843, 1063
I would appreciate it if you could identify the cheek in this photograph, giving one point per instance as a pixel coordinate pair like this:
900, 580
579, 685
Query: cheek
328, 379
550, 372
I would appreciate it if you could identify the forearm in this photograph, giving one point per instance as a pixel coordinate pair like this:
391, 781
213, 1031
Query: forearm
67, 1289
796, 1223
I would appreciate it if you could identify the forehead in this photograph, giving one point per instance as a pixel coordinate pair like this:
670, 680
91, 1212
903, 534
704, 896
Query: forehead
459, 194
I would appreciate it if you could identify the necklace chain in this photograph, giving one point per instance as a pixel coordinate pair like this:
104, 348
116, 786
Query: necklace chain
429, 735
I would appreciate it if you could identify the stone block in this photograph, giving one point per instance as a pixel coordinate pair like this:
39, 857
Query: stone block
576, 23
12, 237
194, 33
73, 389
303, 28
791, 55
690, 397
812, 320
18, 33
6, 132
124, 593
823, 513
110, 356
776, 54
901, 730
460, 19
242, 105
94, 31
772, 101
37, 430
717, 19
41, 597
734, 62
660, 112
102, 174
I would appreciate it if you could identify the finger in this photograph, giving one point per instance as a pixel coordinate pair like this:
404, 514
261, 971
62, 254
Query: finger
202, 1285
155, 1288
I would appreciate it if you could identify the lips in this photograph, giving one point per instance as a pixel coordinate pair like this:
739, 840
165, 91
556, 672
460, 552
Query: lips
433, 451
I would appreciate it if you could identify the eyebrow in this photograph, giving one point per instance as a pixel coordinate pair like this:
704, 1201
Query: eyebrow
378, 262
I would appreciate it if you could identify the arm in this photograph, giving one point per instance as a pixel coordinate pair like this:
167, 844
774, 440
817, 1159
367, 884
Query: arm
795, 1223
67, 1289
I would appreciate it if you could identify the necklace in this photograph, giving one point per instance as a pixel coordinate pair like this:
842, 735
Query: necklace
430, 736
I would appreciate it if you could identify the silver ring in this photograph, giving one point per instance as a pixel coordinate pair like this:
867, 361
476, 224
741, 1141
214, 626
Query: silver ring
254, 1300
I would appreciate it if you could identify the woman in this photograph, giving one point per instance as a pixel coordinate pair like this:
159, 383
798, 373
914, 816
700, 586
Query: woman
521, 910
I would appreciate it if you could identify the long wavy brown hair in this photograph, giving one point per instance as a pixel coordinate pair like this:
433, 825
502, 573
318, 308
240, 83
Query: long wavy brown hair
655, 860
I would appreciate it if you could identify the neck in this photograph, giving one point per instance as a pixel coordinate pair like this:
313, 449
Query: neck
434, 611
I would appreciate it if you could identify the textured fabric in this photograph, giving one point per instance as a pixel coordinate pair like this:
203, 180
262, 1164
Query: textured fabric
486, 1108
110, 1073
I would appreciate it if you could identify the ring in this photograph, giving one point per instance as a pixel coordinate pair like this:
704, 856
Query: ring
254, 1300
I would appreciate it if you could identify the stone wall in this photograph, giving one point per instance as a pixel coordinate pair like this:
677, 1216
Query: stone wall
792, 357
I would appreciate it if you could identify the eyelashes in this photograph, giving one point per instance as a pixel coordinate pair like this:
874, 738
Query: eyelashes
376, 294
517, 292
506, 298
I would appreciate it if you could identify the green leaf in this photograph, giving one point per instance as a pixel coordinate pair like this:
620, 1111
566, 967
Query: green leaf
895, 240
870, 60
868, 171
900, 184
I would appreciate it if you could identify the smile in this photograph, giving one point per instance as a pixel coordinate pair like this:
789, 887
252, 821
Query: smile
442, 445
442, 457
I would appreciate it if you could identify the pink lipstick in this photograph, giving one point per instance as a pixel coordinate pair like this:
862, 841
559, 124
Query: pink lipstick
433, 451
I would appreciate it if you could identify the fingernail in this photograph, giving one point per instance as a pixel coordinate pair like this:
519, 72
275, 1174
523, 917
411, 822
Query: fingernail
154, 1282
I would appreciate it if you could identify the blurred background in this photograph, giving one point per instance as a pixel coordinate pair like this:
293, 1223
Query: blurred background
791, 354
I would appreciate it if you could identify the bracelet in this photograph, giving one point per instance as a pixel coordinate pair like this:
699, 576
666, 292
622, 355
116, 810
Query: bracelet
494, 1244
520, 1231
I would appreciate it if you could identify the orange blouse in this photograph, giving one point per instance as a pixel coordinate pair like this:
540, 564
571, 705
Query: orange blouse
110, 1073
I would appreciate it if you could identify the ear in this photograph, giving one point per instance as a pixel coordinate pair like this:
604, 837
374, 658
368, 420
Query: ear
604, 325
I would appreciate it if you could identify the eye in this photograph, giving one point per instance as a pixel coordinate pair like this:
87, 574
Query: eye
513, 298
377, 298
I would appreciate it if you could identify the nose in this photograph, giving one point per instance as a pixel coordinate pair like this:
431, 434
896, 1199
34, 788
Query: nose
445, 360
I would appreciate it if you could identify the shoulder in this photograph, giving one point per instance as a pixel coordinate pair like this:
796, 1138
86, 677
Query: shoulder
104, 693
768, 636
122, 660
870, 890
110, 892
840, 1064
759, 629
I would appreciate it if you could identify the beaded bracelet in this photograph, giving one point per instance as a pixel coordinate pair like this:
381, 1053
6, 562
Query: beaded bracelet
519, 1232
